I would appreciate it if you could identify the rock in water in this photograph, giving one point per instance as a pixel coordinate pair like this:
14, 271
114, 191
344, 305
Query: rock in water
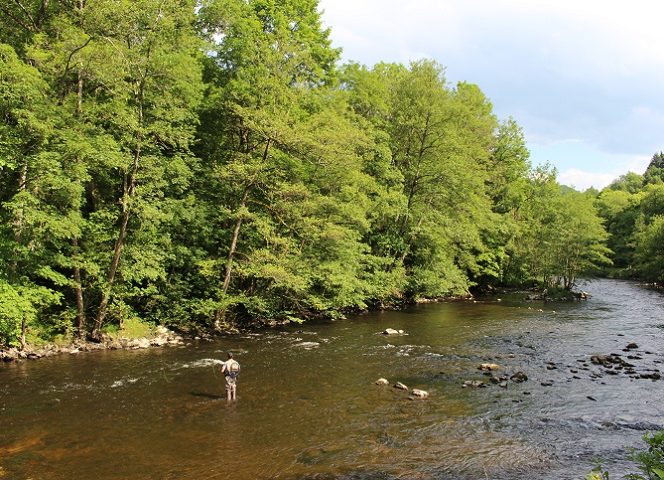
400, 386
391, 331
473, 383
519, 377
420, 393
382, 381
488, 366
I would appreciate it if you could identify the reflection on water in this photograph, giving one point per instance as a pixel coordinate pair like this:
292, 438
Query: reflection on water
308, 408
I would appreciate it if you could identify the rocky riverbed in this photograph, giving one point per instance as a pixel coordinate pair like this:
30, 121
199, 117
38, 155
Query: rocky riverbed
308, 407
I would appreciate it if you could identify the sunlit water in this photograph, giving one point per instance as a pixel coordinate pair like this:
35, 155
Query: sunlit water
308, 408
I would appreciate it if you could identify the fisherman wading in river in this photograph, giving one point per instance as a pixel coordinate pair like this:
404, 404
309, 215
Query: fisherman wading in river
231, 369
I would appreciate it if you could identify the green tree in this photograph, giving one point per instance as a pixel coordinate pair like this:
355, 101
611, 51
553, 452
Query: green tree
649, 234
655, 171
620, 210
560, 235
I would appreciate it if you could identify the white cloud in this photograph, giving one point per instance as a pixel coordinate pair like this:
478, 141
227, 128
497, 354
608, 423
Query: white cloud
581, 180
589, 70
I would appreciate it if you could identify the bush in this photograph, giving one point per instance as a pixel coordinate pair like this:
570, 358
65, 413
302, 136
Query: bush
650, 461
13, 308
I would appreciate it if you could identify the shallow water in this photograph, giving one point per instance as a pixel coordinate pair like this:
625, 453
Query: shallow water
308, 407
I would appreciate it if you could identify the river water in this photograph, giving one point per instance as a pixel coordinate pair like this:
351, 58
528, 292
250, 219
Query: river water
308, 408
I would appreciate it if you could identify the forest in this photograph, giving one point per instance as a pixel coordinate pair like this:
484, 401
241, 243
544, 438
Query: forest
213, 164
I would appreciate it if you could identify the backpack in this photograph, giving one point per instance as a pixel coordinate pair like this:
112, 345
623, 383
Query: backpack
233, 370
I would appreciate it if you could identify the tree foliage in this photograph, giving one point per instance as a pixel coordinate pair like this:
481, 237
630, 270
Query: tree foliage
633, 210
205, 164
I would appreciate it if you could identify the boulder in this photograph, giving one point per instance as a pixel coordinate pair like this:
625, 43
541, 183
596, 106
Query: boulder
400, 386
473, 383
488, 367
632, 346
420, 393
391, 331
138, 343
161, 330
382, 381
159, 341
519, 377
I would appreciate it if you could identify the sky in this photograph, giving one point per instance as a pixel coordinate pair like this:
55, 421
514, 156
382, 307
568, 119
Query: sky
583, 78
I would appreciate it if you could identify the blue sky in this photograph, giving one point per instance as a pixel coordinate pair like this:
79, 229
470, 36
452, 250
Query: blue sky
584, 78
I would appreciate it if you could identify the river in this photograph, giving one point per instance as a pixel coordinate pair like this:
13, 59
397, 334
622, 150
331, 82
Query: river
308, 407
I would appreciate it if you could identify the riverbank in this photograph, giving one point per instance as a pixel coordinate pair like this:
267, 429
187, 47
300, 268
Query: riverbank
160, 337
163, 337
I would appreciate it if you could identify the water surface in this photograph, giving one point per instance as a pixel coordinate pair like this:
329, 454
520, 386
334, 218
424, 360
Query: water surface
308, 408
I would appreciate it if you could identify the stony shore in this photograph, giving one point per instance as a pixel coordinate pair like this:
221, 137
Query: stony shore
161, 337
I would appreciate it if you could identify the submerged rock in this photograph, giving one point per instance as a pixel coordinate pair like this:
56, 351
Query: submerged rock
420, 393
400, 386
519, 377
473, 383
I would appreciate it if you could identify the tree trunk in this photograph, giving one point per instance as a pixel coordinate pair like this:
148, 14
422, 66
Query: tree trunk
79, 92
80, 303
130, 192
219, 314
17, 223
231, 253
23, 330
117, 249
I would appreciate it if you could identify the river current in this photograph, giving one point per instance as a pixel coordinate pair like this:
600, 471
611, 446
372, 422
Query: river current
308, 407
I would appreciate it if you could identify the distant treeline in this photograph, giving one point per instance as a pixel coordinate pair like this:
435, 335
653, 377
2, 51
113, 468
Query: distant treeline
201, 164
632, 208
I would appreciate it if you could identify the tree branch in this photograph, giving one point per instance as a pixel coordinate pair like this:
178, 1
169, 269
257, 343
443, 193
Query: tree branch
17, 20
32, 20
71, 55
